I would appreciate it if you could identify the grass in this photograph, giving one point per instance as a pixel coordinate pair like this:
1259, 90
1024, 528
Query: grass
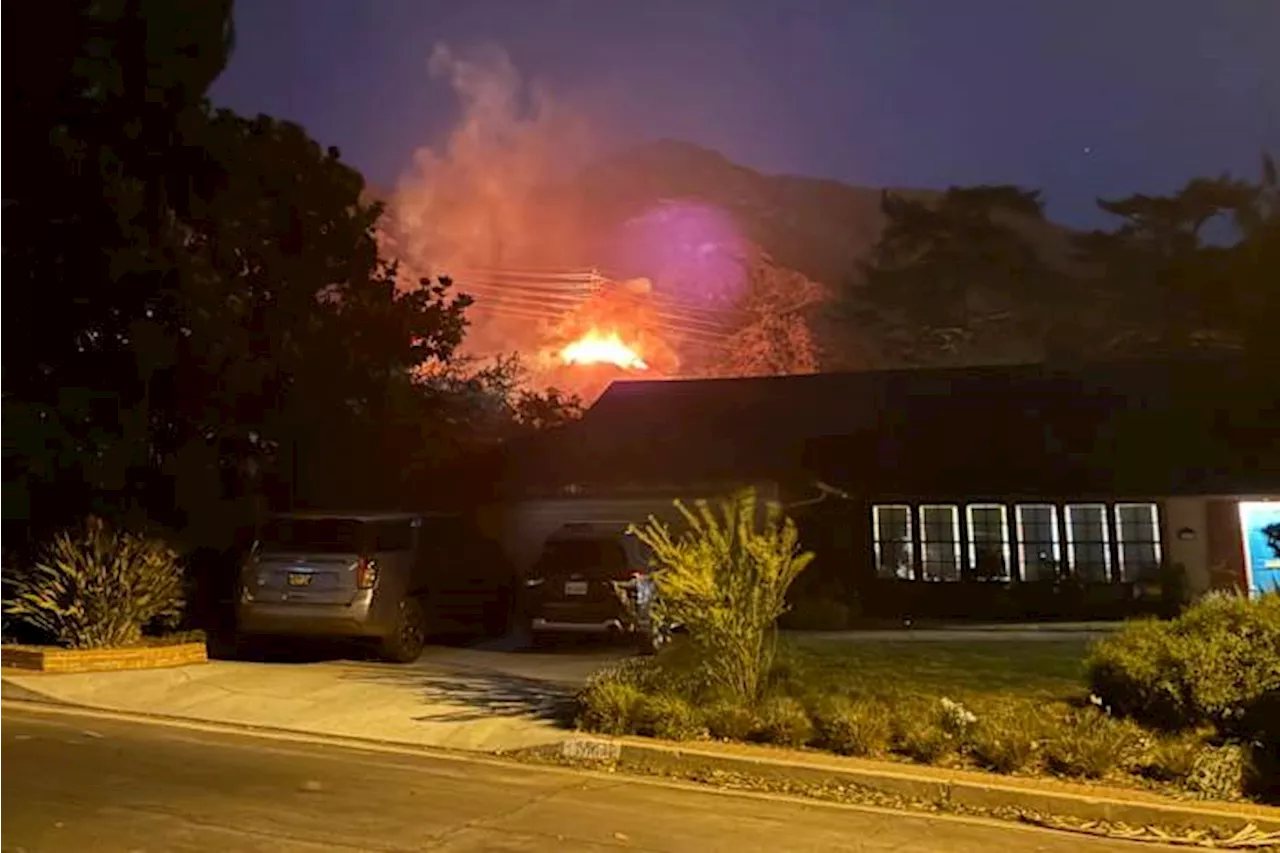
975, 670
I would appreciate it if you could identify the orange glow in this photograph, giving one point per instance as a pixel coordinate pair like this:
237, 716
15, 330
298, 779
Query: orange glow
597, 348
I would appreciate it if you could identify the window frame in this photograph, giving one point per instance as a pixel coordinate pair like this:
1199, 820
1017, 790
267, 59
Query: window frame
1055, 527
1156, 540
1107, 541
971, 543
956, 543
910, 543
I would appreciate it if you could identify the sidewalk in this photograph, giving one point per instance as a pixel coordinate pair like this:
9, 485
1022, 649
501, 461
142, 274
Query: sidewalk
453, 698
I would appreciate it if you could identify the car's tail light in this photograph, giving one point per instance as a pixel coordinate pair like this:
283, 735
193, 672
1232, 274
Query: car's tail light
366, 573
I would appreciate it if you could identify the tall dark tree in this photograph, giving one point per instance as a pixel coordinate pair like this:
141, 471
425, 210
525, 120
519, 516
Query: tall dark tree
100, 118
948, 264
1168, 287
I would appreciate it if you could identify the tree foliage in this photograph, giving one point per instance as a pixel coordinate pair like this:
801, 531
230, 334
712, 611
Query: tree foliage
1199, 267
205, 313
950, 263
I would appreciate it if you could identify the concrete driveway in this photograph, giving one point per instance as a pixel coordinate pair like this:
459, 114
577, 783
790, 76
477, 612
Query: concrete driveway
492, 699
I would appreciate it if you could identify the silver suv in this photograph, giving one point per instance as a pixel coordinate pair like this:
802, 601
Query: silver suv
390, 577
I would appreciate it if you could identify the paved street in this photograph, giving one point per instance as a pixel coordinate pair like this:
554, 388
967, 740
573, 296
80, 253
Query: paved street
75, 782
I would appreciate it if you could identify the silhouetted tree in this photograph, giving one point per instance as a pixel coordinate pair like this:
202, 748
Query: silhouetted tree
947, 264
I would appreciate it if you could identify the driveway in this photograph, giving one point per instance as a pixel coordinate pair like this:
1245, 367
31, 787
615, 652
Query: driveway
484, 699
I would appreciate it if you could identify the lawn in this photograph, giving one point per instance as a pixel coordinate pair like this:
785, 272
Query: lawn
1045, 670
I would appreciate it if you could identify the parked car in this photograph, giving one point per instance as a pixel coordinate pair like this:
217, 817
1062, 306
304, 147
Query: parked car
592, 578
393, 578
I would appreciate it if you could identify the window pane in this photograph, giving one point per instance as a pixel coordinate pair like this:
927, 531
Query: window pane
1088, 547
1038, 550
1138, 540
988, 541
940, 543
892, 530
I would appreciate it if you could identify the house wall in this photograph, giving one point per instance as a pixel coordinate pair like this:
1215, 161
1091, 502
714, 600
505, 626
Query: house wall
1182, 515
523, 526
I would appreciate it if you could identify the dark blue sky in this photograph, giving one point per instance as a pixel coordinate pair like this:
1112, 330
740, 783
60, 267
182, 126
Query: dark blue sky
1079, 97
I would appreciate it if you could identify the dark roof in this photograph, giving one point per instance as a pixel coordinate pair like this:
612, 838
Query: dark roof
1135, 425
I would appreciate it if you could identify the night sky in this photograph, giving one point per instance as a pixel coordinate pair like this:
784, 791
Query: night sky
1079, 97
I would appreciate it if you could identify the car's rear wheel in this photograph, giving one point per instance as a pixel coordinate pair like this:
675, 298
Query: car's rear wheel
406, 642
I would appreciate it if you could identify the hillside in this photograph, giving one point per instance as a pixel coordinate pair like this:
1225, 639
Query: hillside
819, 228
686, 219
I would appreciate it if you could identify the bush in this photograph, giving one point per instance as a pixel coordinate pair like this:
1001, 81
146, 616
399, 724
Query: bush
853, 726
784, 721
920, 738
668, 717
1218, 773
817, 614
726, 580
1006, 740
1215, 663
1090, 743
95, 587
917, 730
729, 720
609, 705
1172, 759
1133, 672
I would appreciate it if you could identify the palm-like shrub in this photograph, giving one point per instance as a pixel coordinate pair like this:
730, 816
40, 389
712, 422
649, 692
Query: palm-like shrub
95, 587
725, 579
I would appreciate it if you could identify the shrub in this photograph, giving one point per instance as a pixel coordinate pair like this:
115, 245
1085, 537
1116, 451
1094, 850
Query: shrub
853, 726
667, 716
1090, 743
1006, 740
95, 587
726, 580
729, 720
1218, 773
1215, 663
609, 705
917, 731
1171, 759
919, 737
784, 721
1134, 673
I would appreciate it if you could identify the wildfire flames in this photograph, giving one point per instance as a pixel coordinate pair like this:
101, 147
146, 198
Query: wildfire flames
597, 348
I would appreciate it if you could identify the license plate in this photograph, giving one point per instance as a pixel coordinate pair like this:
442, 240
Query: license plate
575, 588
299, 578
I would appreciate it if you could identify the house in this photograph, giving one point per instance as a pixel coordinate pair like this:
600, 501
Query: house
1033, 490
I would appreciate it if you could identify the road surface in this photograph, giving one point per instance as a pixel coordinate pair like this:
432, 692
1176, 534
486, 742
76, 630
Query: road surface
80, 782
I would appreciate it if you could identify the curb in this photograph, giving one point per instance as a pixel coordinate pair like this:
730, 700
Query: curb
965, 793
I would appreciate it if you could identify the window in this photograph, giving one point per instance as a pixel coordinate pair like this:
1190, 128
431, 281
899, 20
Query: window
988, 541
1138, 540
1088, 547
1039, 551
940, 543
893, 543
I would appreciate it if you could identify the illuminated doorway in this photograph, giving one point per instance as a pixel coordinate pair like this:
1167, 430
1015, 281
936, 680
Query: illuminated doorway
1260, 531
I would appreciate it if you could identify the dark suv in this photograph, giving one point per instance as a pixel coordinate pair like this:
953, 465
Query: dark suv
592, 578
